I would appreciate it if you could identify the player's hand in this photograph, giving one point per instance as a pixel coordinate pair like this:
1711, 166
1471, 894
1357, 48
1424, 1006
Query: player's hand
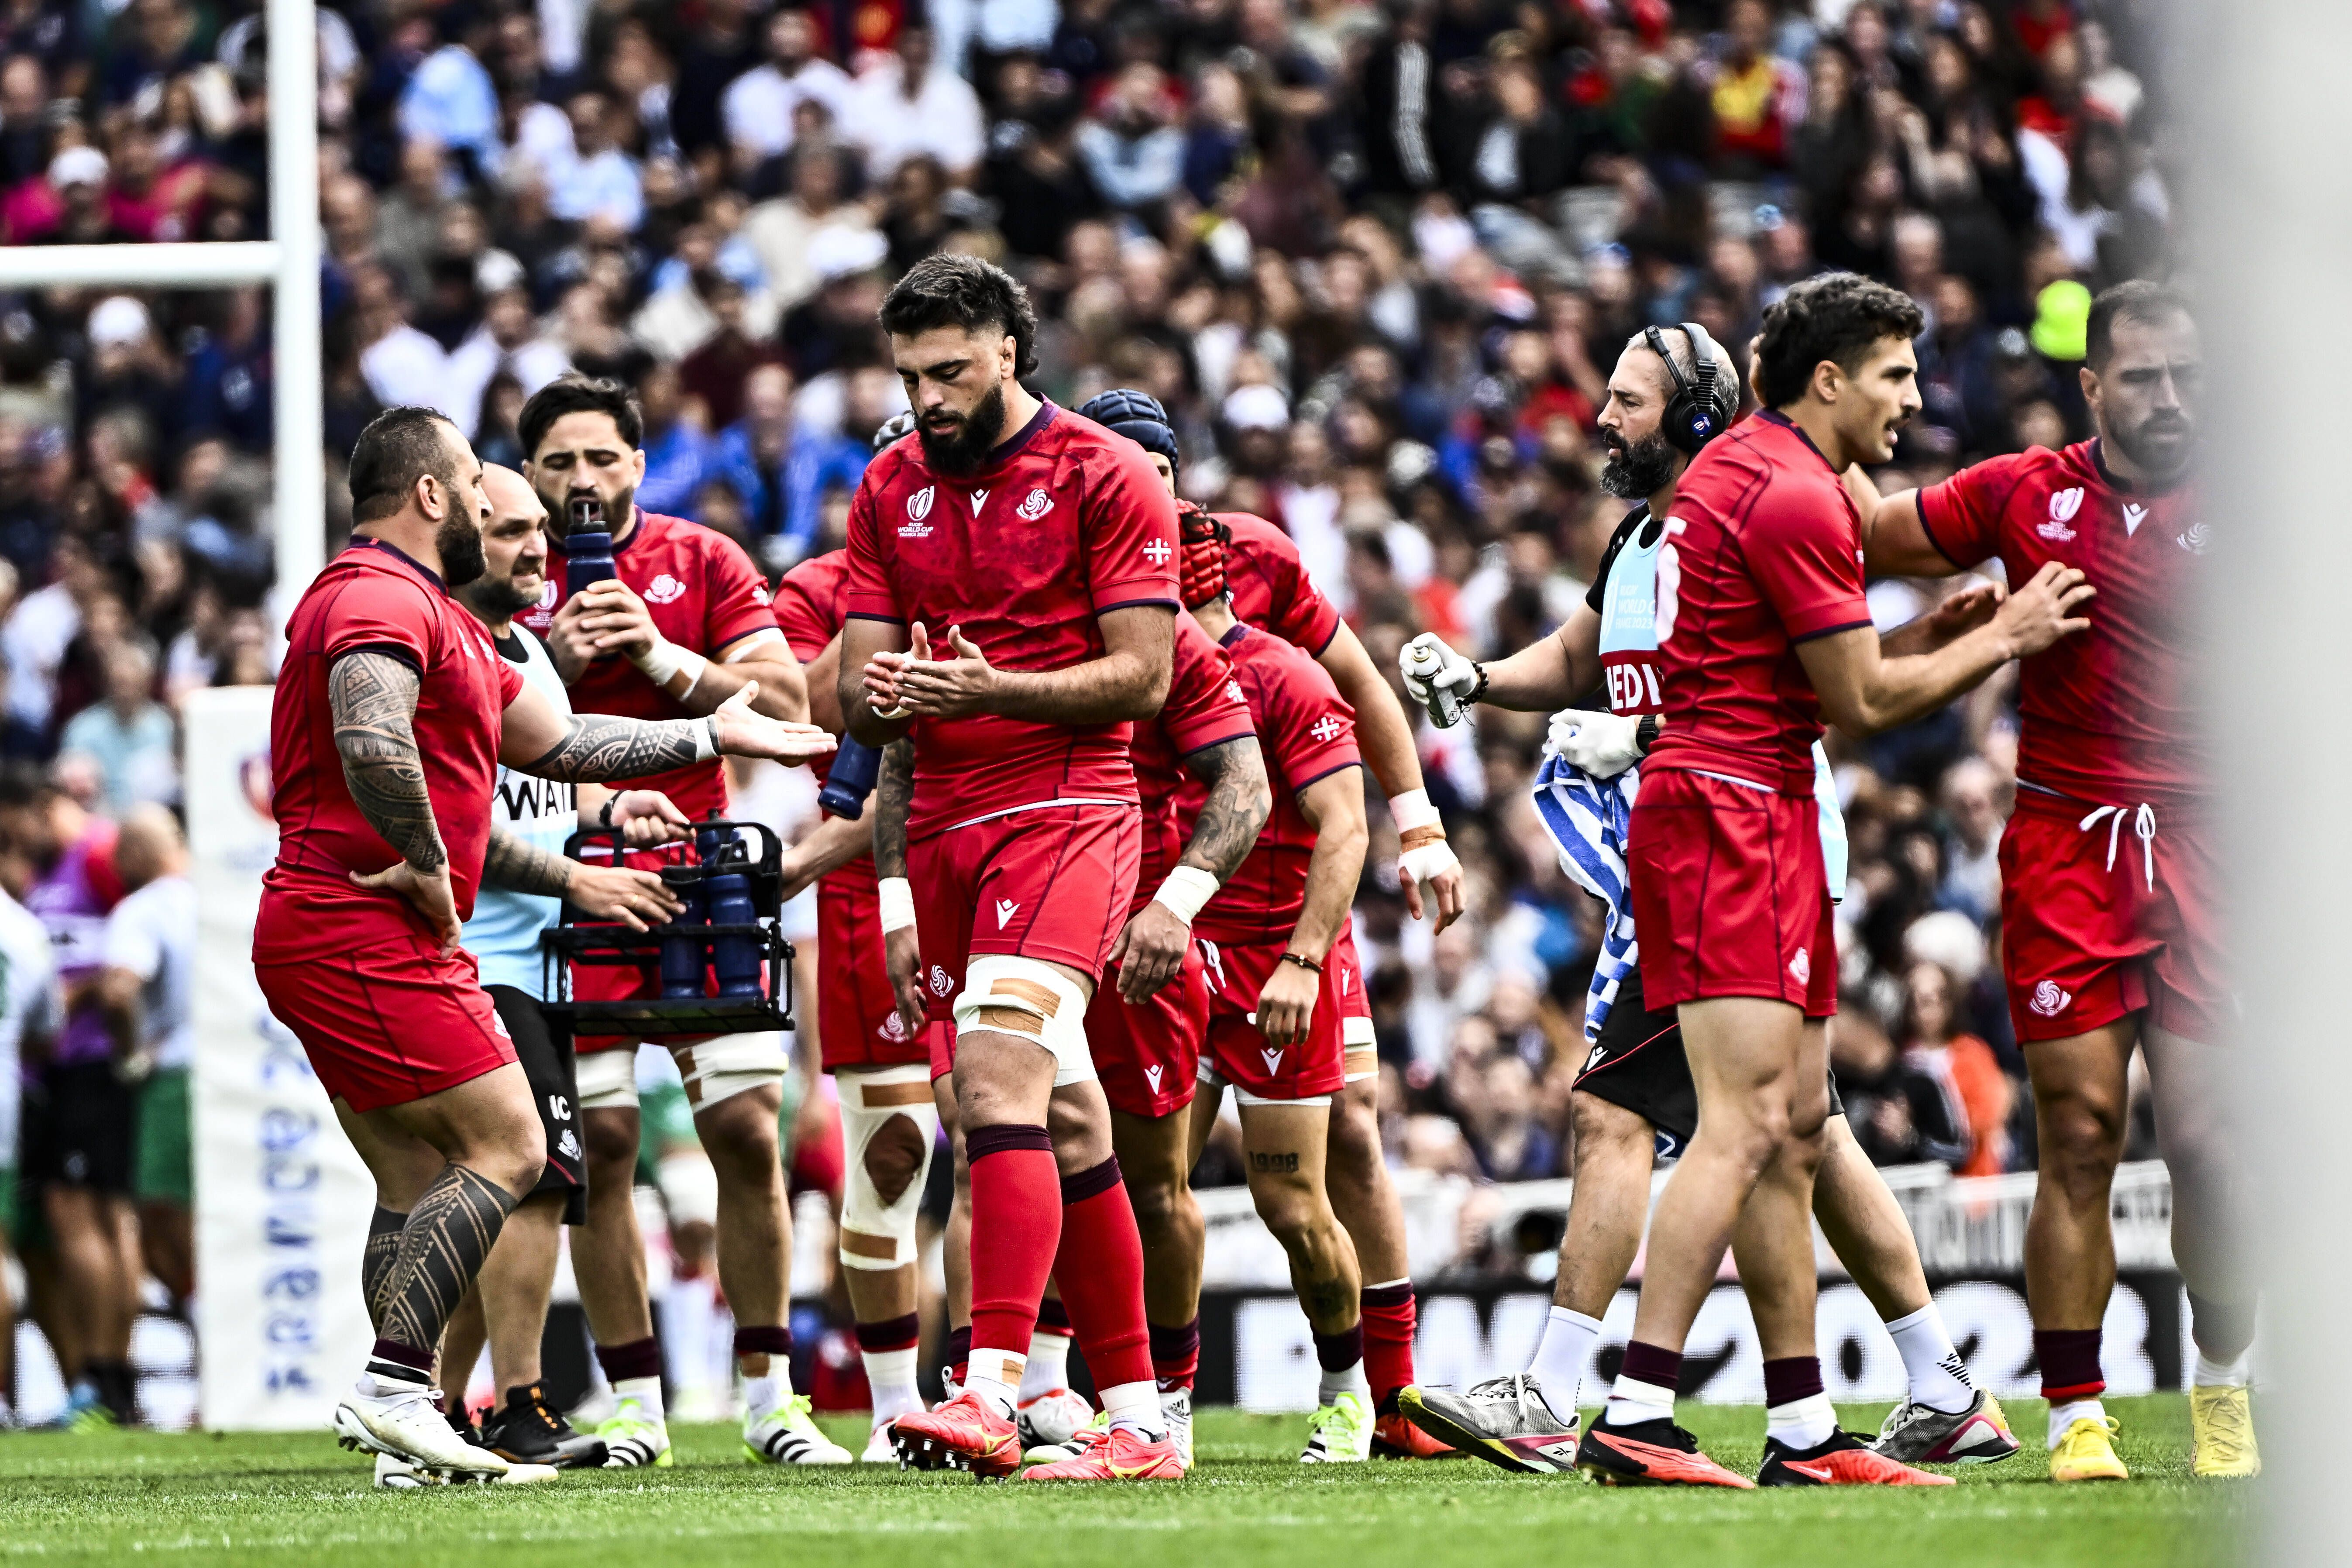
635, 899
740, 732
1454, 673
883, 671
1437, 867
647, 817
611, 618
1602, 744
428, 892
902, 956
2043, 610
963, 682
1150, 952
1964, 610
1286, 1005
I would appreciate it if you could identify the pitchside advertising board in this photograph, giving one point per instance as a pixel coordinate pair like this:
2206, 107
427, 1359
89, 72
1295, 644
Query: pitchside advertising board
283, 1202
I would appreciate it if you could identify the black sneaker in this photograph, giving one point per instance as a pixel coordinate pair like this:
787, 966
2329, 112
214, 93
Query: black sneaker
526, 1432
1650, 1454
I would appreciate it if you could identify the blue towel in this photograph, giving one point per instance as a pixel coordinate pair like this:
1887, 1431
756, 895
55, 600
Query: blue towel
1590, 821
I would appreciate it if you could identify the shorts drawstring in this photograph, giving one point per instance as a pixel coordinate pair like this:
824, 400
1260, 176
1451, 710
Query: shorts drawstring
2143, 824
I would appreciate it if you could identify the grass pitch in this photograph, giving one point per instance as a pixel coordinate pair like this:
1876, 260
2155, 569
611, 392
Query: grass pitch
298, 1498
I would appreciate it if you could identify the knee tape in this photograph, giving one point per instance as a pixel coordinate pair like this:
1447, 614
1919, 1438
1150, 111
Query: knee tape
876, 1234
716, 1069
690, 1187
608, 1080
1004, 994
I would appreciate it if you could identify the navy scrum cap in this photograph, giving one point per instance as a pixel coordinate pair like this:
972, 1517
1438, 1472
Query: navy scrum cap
1136, 416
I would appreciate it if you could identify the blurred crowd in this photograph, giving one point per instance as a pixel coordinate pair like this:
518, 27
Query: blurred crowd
1377, 258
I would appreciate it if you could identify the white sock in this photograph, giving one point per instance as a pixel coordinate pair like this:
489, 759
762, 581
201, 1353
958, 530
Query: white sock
1560, 1356
644, 1391
766, 1393
892, 1377
1048, 1366
1632, 1401
2065, 1415
996, 1378
1136, 1406
1939, 1379
1804, 1422
1348, 1379
2221, 1375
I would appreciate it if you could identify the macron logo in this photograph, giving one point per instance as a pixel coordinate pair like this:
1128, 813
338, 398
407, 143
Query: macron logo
1153, 1073
1272, 1059
1005, 910
977, 498
2134, 515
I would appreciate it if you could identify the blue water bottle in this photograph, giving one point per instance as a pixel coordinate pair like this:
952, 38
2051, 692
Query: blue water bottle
587, 546
727, 889
856, 766
686, 949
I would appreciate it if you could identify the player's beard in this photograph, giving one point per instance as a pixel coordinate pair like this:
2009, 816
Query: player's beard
1637, 470
2159, 446
961, 450
459, 541
618, 511
500, 599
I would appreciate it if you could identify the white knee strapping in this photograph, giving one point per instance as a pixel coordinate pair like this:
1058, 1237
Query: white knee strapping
1005, 994
608, 1080
1355, 1031
690, 1187
716, 1070
875, 1234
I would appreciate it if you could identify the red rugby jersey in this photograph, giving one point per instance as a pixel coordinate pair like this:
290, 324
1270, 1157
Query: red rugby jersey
1062, 523
1270, 585
373, 597
1206, 707
1307, 731
2109, 714
703, 592
1762, 551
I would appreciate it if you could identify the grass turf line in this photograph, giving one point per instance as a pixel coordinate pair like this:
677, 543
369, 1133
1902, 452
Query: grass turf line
297, 1498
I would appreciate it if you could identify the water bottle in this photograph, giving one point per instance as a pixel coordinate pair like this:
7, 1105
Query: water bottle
1423, 663
587, 546
856, 765
727, 889
686, 950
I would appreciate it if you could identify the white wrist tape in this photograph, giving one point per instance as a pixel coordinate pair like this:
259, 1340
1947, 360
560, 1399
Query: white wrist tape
1427, 860
897, 896
706, 739
665, 658
1185, 890
1411, 809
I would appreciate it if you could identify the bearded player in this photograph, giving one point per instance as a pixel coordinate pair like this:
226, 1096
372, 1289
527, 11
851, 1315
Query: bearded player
1671, 391
2110, 877
1012, 605
391, 715
1270, 590
683, 625
1762, 628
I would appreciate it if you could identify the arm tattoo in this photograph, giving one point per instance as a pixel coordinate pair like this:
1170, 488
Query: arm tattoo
894, 794
1239, 801
372, 698
524, 868
597, 747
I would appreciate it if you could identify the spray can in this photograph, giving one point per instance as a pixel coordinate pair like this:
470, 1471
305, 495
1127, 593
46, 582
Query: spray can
1422, 664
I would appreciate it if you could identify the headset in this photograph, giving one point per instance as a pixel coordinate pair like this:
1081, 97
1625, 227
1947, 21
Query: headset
1695, 414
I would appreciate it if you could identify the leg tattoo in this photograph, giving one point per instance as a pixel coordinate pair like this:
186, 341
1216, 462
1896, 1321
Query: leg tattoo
449, 1235
384, 1226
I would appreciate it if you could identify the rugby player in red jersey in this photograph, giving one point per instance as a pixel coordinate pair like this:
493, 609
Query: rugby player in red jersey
388, 721
1271, 591
2111, 878
683, 625
1011, 603
1762, 628
880, 1067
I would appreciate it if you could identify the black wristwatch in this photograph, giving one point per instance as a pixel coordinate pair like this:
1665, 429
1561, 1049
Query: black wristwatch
1645, 735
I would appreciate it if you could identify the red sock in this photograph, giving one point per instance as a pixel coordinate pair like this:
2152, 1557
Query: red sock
1176, 1355
1389, 1320
1016, 1220
1100, 1266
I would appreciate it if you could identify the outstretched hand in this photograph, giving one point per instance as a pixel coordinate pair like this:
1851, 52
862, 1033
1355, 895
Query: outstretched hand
738, 732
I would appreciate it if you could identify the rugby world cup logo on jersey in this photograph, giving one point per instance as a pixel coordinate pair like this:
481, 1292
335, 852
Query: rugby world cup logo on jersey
2064, 505
2050, 999
1035, 505
919, 506
665, 590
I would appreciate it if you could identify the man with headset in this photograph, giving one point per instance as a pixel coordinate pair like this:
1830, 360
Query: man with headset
1670, 393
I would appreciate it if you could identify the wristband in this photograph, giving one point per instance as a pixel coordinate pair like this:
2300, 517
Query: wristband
706, 739
1185, 890
896, 897
1411, 809
1303, 962
665, 658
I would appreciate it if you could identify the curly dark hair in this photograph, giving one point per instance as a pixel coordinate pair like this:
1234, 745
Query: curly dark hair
578, 393
953, 290
1838, 317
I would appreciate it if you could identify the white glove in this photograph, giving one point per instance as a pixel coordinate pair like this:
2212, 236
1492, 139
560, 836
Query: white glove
1429, 667
1603, 744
